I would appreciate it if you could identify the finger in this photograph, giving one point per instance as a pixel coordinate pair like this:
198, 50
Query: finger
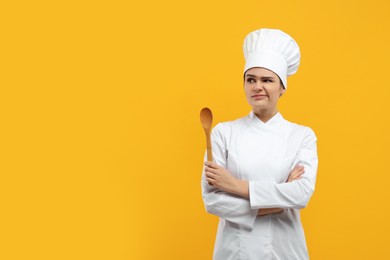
298, 167
298, 171
294, 173
293, 177
211, 164
210, 181
208, 169
297, 177
210, 175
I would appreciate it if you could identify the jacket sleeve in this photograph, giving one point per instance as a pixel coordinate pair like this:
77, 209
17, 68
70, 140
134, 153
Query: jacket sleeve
294, 194
222, 204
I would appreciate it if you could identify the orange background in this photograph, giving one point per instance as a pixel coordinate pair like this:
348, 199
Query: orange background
101, 144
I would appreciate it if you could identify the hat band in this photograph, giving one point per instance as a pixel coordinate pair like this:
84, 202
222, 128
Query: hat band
268, 60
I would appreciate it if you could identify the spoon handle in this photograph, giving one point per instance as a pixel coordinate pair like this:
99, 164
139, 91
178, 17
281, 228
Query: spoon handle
209, 150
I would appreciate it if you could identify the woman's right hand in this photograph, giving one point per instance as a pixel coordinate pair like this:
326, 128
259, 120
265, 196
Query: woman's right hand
295, 174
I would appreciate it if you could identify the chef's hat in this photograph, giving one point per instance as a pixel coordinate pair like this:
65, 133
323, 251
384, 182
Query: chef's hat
274, 50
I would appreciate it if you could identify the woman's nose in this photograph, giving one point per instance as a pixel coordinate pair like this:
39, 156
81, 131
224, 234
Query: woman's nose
258, 87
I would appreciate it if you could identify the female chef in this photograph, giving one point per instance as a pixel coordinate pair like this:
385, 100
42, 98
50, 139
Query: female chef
265, 167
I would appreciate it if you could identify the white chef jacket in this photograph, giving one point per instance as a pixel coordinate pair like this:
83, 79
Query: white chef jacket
264, 154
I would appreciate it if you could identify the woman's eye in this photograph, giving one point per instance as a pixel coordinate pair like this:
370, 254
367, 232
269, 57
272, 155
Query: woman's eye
250, 80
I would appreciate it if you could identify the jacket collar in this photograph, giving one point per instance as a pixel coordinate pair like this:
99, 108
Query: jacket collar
272, 121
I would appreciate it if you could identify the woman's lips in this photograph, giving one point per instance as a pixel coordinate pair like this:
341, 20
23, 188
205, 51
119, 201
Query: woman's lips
259, 96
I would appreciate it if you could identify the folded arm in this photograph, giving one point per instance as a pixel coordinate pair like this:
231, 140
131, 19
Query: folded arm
294, 194
220, 178
228, 206
240, 201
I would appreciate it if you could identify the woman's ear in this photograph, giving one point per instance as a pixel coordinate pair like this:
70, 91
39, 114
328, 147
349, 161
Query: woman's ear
282, 92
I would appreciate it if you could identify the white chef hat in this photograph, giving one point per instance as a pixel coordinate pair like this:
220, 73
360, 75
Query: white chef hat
274, 50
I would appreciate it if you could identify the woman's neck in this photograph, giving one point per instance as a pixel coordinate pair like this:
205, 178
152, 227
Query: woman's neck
265, 115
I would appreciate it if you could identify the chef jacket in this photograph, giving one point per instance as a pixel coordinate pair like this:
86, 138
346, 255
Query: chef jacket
264, 154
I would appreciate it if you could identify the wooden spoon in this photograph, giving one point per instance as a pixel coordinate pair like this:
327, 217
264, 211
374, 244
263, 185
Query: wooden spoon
206, 118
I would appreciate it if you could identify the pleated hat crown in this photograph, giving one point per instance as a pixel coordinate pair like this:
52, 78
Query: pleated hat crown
272, 49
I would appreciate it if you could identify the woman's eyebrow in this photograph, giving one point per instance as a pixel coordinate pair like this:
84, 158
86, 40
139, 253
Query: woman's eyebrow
250, 75
262, 77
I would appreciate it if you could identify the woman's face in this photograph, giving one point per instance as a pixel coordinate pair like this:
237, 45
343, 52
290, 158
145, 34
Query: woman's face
263, 89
